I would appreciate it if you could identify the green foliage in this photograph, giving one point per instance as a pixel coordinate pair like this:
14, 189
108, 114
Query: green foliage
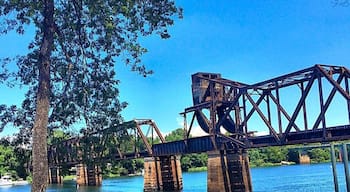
185, 163
319, 155
133, 166
275, 154
29, 178
197, 169
69, 70
23, 157
57, 136
89, 39
293, 155
256, 158
267, 156
124, 167
8, 160
175, 135
14, 158
193, 161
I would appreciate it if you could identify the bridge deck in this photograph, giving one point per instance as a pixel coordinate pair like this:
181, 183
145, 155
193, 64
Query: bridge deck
205, 143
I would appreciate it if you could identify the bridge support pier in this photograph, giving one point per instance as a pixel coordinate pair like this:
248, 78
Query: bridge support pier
304, 158
162, 174
228, 171
55, 176
90, 175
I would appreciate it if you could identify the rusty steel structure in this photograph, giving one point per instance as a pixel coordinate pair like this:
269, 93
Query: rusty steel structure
227, 101
128, 140
290, 109
224, 108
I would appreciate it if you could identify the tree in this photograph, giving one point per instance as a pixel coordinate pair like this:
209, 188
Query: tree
275, 154
256, 158
14, 158
23, 161
319, 155
8, 161
175, 135
69, 69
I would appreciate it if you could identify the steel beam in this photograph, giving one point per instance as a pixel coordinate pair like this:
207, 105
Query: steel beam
334, 169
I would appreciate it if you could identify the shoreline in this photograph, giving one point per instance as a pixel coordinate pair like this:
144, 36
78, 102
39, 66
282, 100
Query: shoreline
199, 169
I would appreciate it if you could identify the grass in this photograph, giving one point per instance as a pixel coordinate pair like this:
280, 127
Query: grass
197, 169
111, 175
68, 177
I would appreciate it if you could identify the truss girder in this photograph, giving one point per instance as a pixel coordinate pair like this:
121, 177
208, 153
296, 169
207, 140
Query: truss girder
123, 141
228, 103
233, 96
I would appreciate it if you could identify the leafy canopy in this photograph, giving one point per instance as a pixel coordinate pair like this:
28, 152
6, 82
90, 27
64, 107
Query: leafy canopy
90, 37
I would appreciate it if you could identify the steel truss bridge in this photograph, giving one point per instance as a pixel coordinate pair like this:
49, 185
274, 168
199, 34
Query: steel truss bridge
307, 106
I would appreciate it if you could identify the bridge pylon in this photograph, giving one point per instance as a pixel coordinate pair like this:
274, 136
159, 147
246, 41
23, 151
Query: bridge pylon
90, 175
228, 171
162, 174
55, 176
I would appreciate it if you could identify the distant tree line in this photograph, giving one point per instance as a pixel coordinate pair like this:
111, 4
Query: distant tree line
269, 156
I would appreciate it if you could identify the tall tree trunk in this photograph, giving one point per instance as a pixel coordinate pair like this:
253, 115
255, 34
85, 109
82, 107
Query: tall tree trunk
40, 162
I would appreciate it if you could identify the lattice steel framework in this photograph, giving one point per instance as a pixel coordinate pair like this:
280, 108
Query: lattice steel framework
222, 103
129, 140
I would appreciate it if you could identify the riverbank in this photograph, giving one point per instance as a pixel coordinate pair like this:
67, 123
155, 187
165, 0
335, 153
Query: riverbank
109, 176
282, 163
190, 170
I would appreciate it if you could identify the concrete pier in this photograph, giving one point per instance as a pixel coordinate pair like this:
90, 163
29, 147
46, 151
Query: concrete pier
162, 174
304, 158
89, 175
55, 176
228, 171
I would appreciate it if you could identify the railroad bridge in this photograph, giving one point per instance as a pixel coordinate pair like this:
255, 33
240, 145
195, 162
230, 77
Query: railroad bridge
307, 106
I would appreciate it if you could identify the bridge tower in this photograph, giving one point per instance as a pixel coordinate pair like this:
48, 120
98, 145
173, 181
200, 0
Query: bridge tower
228, 164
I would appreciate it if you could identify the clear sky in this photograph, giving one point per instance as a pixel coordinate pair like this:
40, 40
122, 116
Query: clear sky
246, 41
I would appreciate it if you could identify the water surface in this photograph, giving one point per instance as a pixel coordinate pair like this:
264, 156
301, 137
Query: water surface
304, 178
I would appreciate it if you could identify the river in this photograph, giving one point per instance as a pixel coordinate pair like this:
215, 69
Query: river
304, 178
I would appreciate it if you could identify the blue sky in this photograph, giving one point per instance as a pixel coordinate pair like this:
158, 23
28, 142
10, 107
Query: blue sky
247, 41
